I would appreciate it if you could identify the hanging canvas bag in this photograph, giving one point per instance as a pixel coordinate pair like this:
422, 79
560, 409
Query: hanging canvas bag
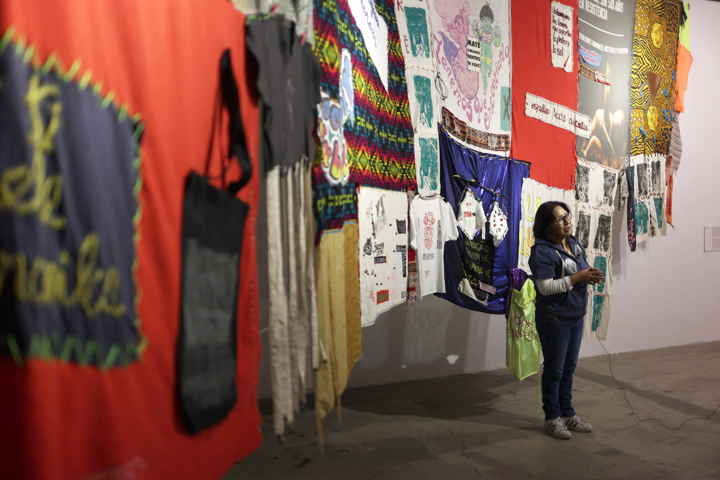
212, 237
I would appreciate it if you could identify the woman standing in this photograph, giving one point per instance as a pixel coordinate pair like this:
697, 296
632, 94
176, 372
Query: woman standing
561, 272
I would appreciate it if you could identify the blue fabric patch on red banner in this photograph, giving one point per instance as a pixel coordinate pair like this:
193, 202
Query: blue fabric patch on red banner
68, 205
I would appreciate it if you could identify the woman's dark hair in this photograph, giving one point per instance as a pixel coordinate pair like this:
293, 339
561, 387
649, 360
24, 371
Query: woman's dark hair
486, 11
544, 218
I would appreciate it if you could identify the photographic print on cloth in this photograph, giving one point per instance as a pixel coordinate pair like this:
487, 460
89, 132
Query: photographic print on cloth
534, 194
595, 190
380, 136
652, 83
472, 58
648, 196
383, 240
68, 214
604, 63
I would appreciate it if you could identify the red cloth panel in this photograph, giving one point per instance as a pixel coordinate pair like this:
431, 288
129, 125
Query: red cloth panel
63, 421
550, 150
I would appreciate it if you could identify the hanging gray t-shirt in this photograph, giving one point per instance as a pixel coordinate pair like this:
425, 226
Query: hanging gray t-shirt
289, 84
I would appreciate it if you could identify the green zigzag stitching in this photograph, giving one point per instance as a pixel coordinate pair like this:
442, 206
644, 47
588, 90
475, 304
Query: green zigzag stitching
46, 347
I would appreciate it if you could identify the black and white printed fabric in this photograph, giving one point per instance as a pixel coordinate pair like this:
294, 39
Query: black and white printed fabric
595, 190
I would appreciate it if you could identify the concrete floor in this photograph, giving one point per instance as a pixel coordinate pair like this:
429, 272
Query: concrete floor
473, 426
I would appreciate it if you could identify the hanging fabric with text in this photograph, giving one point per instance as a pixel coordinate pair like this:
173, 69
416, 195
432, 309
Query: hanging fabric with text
68, 210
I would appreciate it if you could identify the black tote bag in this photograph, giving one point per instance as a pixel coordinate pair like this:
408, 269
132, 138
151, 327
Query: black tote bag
212, 234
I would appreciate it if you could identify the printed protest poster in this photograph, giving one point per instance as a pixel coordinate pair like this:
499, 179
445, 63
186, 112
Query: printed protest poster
472, 61
535, 194
383, 240
605, 30
595, 189
562, 25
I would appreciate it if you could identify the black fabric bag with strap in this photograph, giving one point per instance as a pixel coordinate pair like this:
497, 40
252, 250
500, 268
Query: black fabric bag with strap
212, 237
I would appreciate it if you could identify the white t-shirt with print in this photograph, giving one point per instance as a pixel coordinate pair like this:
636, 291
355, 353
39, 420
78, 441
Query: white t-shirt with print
432, 223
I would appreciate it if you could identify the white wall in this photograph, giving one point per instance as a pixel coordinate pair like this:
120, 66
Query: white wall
665, 293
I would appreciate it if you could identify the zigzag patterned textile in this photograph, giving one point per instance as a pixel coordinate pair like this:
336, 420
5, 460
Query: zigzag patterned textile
652, 83
378, 132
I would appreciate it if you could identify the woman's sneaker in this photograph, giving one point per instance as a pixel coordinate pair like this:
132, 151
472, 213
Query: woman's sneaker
556, 428
577, 424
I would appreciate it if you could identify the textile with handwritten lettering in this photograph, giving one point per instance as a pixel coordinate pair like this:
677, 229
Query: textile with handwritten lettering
652, 83
534, 194
68, 213
383, 244
553, 162
379, 137
472, 60
595, 189
562, 26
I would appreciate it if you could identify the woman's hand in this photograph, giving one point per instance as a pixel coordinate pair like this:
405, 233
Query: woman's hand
590, 276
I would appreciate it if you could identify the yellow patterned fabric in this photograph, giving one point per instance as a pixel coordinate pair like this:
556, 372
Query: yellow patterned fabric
652, 85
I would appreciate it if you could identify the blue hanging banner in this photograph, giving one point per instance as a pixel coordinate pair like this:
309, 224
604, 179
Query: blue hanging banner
490, 178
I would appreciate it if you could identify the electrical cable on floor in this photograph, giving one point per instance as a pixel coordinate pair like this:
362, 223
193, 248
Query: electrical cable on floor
650, 418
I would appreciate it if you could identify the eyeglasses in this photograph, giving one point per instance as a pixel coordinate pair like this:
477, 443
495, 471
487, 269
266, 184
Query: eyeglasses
564, 220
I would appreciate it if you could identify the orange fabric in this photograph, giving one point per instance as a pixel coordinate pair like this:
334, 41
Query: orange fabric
62, 421
684, 61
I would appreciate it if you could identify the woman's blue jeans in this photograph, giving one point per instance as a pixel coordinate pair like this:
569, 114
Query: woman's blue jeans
560, 340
